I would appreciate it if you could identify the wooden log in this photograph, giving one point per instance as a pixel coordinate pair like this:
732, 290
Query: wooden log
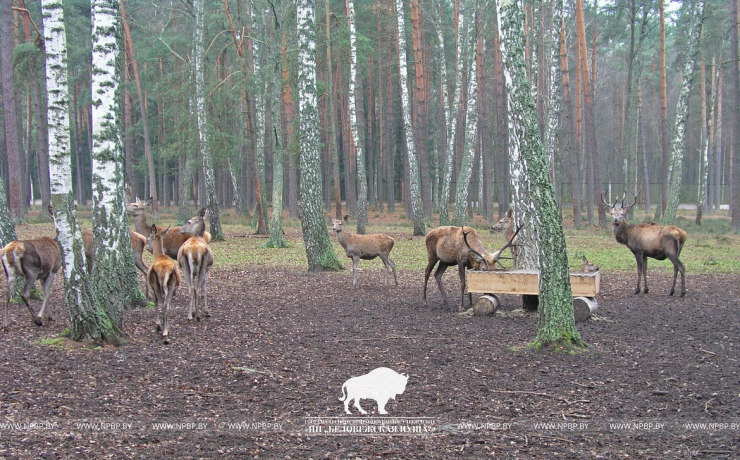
486, 305
583, 307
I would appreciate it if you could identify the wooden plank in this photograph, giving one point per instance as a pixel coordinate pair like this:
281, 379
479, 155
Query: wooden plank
527, 282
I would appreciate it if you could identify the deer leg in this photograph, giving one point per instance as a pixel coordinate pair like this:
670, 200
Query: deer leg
638, 258
393, 266
678, 266
427, 272
644, 272
46, 285
165, 317
438, 276
202, 282
355, 263
30, 281
11, 288
461, 269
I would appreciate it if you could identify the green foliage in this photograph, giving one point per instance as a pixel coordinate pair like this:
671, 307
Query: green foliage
53, 341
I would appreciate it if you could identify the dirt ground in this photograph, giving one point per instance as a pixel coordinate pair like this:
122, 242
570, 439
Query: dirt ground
263, 374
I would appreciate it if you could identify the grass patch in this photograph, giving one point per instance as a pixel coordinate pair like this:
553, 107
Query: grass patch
53, 341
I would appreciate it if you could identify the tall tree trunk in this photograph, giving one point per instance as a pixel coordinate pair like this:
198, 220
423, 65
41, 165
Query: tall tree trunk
421, 104
706, 129
355, 142
391, 171
88, 319
718, 170
664, 133
319, 250
202, 124
557, 324
142, 108
735, 160
414, 182
332, 144
678, 146
276, 239
568, 145
114, 278
10, 114
42, 139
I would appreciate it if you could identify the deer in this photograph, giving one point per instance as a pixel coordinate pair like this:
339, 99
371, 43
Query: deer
195, 259
366, 247
586, 266
454, 246
138, 243
164, 278
507, 225
36, 259
172, 241
658, 242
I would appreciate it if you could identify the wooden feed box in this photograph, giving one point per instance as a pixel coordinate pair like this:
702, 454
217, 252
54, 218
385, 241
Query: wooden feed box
585, 286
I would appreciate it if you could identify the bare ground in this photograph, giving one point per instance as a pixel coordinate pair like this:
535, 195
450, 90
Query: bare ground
280, 344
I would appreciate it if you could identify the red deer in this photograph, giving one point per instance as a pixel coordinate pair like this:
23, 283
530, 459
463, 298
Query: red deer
366, 247
649, 240
588, 267
37, 259
173, 240
138, 243
195, 259
164, 278
507, 225
456, 246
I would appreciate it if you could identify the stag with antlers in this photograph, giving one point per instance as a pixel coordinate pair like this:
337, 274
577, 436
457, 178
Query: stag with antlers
658, 242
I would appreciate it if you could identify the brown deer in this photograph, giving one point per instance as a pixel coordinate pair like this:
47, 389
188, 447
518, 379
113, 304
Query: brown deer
366, 247
37, 259
507, 224
659, 242
172, 241
586, 266
455, 246
195, 259
164, 278
138, 243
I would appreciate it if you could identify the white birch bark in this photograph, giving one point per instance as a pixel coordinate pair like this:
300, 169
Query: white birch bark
86, 317
678, 145
451, 115
354, 122
471, 126
414, 186
319, 250
114, 277
202, 122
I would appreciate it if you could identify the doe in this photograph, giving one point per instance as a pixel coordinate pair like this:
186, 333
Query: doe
195, 259
366, 247
163, 277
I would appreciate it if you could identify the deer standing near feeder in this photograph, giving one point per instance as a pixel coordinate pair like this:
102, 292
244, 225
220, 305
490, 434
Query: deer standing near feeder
195, 259
658, 242
172, 241
507, 225
455, 246
36, 259
366, 247
588, 267
138, 243
164, 278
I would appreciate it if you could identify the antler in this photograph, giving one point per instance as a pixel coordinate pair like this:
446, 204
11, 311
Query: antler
605, 203
509, 244
480, 257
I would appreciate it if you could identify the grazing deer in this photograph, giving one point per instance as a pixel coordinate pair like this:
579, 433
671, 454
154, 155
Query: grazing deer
507, 225
37, 259
588, 267
195, 259
164, 278
138, 243
649, 240
366, 247
455, 246
172, 241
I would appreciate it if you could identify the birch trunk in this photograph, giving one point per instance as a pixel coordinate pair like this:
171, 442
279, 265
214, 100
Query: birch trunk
114, 278
356, 143
319, 250
87, 318
557, 324
678, 146
202, 123
414, 183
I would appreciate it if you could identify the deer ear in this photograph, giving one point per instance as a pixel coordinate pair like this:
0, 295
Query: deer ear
510, 212
51, 211
149, 201
346, 217
202, 213
477, 260
154, 229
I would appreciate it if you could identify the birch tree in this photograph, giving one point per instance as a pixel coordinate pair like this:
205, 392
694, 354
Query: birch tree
557, 324
114, 277
414, 182
678, 146
355, 143
319, 250
450, 111
87, 318
202, 122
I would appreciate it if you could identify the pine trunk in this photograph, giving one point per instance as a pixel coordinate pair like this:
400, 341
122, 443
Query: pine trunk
355, 142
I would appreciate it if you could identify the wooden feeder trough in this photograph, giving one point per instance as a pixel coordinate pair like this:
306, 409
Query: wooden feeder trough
584, 286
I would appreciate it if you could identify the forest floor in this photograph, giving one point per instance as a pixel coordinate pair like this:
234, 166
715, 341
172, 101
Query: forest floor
262, 376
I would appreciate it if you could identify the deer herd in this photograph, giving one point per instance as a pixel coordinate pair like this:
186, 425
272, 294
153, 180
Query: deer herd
184, 253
